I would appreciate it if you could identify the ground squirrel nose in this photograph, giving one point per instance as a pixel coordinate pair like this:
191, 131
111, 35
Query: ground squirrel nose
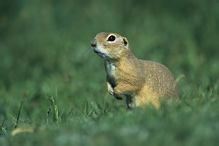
93, 43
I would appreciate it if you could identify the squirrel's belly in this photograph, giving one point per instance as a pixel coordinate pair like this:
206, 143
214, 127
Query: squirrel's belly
110, 69
111, 73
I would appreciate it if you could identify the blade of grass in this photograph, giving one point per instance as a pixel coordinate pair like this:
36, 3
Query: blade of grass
19, 111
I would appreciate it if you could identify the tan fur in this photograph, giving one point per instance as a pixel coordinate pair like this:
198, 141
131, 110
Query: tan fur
150, 82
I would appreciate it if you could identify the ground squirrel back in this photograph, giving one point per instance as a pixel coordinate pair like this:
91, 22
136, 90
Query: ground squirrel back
142, 82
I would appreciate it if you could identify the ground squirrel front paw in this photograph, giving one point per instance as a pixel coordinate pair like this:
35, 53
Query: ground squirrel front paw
111, 91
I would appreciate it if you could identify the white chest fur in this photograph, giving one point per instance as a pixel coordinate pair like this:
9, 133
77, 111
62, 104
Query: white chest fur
110, 69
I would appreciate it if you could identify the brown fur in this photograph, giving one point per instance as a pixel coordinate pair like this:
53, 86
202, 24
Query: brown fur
149, 81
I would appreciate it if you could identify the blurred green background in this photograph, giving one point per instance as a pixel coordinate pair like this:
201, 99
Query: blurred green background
45, 50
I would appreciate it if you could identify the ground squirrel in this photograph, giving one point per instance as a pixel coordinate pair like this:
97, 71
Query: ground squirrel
142, 82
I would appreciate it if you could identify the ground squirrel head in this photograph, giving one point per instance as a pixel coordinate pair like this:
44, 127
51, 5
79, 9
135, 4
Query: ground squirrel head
110, 46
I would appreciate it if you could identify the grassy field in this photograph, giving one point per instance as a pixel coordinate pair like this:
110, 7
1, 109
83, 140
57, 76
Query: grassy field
45, 52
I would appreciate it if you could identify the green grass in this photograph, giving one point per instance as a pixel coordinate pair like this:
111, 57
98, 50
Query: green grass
45, 52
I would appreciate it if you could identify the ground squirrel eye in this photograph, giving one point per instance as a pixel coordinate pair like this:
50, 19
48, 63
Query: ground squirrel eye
111, 38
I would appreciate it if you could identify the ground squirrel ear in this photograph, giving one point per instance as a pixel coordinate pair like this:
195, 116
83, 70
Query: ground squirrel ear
125, 41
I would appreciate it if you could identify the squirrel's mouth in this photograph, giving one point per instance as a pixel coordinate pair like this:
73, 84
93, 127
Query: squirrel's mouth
98, 53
